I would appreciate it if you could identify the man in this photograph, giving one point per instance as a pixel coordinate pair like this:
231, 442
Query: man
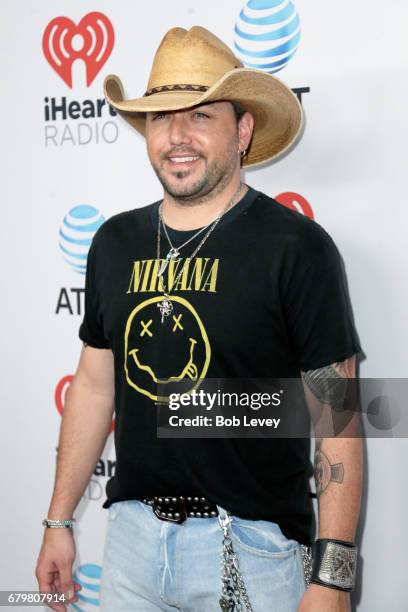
216, 281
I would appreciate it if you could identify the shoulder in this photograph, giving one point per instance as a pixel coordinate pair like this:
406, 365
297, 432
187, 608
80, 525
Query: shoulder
116, 226
296, 233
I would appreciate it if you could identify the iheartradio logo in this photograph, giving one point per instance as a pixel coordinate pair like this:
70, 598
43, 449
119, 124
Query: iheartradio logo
91, 41
296, 202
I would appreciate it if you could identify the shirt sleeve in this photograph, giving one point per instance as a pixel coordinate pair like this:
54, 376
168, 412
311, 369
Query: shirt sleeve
91, 329
318, 309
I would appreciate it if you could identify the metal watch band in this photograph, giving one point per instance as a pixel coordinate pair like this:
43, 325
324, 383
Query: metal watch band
57, 524
334, 564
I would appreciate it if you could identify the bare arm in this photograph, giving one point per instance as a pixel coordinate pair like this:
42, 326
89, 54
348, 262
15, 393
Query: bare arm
84, 429
338, 469
338, 461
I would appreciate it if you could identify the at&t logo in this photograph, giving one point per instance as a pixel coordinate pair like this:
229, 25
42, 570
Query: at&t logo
75, 236
267, 34
88, 576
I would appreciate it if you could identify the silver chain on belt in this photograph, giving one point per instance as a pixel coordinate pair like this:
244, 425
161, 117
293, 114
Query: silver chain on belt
234, 596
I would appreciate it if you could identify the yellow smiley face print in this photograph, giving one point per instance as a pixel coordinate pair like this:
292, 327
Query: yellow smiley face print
162, 351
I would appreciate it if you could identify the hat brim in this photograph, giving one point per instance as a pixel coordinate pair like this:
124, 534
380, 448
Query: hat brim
276, 110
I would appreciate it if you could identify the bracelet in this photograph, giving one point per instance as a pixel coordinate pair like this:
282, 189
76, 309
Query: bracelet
334, 564
57, 524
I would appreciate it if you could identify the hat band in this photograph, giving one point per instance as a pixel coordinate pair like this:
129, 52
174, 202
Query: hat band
182, 87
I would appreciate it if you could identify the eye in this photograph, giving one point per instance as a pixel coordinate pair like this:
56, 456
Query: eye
177, 323
158, 116
201, 115
145, 328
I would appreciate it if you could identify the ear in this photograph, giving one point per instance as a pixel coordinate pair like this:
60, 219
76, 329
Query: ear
245, 129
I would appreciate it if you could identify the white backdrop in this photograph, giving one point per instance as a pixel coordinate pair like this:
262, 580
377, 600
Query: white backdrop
350, 166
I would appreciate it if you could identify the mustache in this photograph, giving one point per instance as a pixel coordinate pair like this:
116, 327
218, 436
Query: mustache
184, 151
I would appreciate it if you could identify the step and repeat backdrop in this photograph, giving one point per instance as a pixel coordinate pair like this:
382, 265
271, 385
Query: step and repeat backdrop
69, 162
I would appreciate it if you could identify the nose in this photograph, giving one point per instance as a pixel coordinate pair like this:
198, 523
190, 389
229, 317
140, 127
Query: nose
179, 132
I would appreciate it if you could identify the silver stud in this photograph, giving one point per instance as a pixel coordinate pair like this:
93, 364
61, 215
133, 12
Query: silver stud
166, 500
198, 514
170, 514
196, 499
213, 513
174, 500
203, 499
191, 514
177, 515
188, 499
206, 515
159, 499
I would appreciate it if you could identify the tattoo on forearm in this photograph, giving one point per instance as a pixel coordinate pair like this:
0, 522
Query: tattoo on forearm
329, 384
324, 471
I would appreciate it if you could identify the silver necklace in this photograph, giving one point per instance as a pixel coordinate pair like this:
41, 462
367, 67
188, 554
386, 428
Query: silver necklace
166, 305
175, 251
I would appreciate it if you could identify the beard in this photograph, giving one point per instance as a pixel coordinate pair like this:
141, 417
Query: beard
215, 177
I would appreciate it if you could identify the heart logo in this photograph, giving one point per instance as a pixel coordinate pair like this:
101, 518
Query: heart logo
296, 202
93, 44
60, 396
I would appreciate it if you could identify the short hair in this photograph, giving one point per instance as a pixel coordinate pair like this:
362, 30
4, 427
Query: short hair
238, 110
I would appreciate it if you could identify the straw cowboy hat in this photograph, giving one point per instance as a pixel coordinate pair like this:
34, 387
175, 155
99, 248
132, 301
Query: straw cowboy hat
195, 67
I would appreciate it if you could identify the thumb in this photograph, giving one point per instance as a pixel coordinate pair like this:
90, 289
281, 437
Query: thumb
66, 586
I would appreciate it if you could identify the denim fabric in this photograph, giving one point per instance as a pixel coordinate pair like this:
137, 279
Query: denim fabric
152, 565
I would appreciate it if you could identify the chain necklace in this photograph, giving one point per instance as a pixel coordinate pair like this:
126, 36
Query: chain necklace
166, 305
175, 251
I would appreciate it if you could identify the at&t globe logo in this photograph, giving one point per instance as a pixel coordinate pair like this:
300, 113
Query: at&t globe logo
76, 233
89, 577
267, 34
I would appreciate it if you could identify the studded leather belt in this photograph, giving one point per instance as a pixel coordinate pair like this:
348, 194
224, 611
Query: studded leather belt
177, 509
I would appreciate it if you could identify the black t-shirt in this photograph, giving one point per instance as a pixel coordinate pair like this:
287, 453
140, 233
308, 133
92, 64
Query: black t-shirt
264, 297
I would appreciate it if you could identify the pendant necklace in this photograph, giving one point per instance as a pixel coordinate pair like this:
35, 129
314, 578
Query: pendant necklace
166, 305
175, 252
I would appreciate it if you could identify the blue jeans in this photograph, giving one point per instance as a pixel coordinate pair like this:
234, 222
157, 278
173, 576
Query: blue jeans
152, 565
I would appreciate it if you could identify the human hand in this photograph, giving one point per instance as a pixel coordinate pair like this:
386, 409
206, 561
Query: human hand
54, 567
319, 598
